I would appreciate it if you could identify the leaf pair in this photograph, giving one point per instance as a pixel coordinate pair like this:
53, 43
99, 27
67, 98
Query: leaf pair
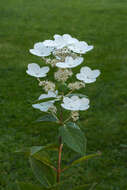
41, 165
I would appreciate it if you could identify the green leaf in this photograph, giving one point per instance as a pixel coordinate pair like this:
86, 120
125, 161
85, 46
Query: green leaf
82, 159
77, 94
46, 100
63, 185
44, 158
35, 149
29, 151
123, 145
28, 186
73, 137
47, 118
44, 174
25, 150
53, 147
83, 187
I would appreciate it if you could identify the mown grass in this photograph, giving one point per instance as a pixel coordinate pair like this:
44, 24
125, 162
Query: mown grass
101, 23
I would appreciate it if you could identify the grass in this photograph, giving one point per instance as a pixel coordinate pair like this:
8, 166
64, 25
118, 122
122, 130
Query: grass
101, 23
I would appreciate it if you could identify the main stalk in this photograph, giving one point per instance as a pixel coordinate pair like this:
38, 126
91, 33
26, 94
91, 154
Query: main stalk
59, 160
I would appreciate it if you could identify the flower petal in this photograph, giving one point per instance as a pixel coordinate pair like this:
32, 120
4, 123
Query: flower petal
43, 106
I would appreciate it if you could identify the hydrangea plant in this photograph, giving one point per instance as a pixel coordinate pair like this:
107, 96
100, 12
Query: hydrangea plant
60, 103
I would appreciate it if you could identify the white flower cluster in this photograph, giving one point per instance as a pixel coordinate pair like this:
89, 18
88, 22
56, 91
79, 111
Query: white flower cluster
47, 85
63, 74
76, 85
63, 52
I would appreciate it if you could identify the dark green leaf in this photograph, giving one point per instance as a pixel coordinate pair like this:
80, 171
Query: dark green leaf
47, 118
35, 149
73, 137
83, 187
123, 145
28, 186
44, 174
44, 158
29, 151
63, 185
53, 147
26, 151
77, 94
84, 158
46, 100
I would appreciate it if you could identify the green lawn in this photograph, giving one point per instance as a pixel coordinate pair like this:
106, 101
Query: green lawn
102, 23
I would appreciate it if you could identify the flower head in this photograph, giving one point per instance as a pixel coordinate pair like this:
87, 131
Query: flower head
75, 103
41, 50
87, 75
35, 70
70, 62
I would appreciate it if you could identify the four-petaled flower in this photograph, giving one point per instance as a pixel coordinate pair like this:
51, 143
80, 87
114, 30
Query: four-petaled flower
45, 106
35, 70
80, 47
41, 50
75, 103
70, 62
87, 75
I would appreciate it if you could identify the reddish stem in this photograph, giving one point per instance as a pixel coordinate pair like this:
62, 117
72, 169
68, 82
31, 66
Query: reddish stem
59, 160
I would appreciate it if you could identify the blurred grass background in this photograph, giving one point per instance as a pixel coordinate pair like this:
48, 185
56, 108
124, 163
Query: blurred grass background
98, 22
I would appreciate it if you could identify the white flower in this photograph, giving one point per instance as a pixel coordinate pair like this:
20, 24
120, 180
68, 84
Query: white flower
69, 40
45, 106
60, 42
75, 103
41, 50
35, 70
70, 62
87, 75
66, 40
50, 94
80, 47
